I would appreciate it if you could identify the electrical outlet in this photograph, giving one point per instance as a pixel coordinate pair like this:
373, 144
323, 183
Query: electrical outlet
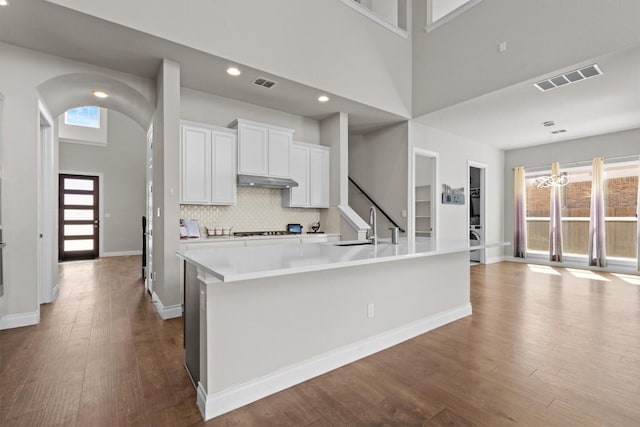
502, 47
403, 213
370, 310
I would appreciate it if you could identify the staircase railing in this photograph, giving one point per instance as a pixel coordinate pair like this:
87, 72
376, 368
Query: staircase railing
377, 206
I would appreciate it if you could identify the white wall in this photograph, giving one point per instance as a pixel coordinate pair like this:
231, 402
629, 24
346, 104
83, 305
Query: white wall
454, 153
122, 163
617, 144
166, 185
323, 44
22, 71
216, 110
460, 60
378, 163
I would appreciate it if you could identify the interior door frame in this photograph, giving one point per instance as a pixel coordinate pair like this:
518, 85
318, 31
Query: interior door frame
47, 266
435, 206
484, 168
100, 176
149, 276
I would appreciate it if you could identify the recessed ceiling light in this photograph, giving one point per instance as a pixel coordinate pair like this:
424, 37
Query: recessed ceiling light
98, 93
233, 71
323, 98
4, 3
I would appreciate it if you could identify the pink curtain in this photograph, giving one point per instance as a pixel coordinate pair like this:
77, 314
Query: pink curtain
555, 218
597, 232
520, 220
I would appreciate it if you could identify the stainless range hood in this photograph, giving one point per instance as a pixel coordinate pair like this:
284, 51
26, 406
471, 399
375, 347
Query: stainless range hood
265, 182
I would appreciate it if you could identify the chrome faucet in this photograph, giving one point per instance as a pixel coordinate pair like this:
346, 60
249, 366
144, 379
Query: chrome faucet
372, 233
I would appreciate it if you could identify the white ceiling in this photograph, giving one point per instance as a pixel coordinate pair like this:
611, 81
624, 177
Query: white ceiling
508, 118
512, 117
45, 27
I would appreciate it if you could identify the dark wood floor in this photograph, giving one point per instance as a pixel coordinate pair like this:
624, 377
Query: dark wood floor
543, 348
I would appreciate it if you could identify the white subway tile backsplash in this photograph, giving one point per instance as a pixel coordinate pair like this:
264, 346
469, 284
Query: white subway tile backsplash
257, 209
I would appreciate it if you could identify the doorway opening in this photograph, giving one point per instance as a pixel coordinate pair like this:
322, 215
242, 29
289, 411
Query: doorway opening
79, 217
147, 222
47, 272
477, 209
422, 200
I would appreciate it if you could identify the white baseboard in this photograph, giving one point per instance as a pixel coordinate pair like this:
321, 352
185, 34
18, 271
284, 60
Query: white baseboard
213, 405
494, 259
121, 253
11, 321
55, 292
169, 312
611, 268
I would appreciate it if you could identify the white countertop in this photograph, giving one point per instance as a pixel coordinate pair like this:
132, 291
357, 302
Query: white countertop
254, 262
213, 239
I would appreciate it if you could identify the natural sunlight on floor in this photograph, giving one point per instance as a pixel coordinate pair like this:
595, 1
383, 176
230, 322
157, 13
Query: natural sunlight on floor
543, 269
629, 278
587, 274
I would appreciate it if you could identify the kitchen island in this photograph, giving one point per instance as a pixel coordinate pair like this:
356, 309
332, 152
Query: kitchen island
261, 319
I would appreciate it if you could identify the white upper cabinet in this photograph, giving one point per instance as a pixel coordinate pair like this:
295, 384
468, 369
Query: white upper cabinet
223, 187
208, 165
310, 169
299, 196
280, 153
319, 177
253, 143
263, 149
195, 185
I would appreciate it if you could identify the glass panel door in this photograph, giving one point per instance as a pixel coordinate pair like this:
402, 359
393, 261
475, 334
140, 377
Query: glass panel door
78, 217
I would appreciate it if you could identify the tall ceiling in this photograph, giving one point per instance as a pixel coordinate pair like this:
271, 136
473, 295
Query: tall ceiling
508, 118
513, 117
48, 28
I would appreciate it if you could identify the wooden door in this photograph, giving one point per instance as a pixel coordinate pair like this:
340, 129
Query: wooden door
79, 224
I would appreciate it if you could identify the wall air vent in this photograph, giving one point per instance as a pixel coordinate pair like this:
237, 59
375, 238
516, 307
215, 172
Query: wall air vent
569, 77
261, 81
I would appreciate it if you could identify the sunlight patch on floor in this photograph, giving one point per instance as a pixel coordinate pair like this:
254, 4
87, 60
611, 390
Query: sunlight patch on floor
587, 274
545, 269
629, 278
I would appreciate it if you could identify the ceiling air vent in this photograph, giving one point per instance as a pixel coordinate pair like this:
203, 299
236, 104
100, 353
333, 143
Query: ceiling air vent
261, 81
569, 77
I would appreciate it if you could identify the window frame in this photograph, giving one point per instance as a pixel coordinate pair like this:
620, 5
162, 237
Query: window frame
432, 25
83, 134
569, 258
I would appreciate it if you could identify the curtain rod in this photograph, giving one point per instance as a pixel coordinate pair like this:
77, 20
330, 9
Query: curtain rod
584, 162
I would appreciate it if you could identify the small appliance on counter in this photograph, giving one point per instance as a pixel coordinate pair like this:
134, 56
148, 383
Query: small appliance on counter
315, 227
294, 228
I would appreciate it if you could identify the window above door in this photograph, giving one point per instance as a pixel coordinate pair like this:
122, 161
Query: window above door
84, 125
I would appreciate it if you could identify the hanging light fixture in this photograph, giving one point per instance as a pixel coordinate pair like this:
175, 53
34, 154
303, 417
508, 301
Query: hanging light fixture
556, 179
552, 181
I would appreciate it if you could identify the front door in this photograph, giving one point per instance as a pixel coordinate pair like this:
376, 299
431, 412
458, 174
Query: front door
78, 217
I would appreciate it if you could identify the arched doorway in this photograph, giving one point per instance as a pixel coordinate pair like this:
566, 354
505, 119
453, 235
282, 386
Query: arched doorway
59, 95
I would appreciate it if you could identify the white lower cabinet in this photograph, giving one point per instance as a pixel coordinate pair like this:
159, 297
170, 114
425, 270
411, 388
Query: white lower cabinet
208, 165
310, 169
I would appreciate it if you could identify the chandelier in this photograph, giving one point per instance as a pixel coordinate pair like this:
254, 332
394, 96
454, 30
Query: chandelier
552, 181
